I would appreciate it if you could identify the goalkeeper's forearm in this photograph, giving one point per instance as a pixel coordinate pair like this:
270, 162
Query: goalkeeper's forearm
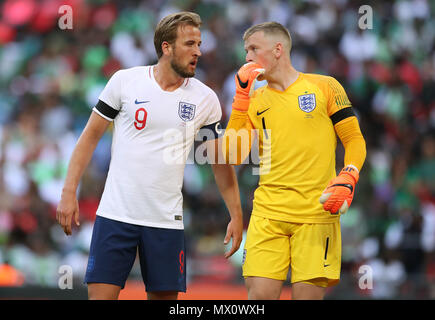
353, 141
237, 141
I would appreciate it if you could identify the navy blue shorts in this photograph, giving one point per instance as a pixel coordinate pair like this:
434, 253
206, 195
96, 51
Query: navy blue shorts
113, 251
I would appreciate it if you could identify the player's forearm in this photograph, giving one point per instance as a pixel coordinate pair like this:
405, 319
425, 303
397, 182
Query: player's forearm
353, 141
226, 181
355, 153
80, 159
83, 152
237, 141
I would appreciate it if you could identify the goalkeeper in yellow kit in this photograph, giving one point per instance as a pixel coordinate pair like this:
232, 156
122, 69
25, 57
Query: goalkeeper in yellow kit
295, 222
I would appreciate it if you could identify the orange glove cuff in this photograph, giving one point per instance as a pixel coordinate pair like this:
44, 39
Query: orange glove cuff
240, 103
352, 172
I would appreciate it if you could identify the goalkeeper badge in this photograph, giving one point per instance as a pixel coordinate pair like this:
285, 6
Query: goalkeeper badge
307, 102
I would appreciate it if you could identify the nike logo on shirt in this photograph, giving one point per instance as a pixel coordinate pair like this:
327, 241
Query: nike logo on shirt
258, 113
139, 102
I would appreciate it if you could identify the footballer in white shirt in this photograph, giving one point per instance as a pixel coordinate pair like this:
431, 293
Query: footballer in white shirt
156, 112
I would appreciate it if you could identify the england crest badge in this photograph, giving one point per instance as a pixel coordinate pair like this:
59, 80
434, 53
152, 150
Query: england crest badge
307, 102
186, 111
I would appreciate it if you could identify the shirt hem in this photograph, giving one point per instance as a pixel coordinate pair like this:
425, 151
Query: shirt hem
296, 219
141, 223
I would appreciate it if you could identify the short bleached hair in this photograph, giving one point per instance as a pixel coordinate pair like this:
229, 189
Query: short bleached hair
270, 28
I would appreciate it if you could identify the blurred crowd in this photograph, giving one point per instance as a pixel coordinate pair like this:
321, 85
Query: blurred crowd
51, 78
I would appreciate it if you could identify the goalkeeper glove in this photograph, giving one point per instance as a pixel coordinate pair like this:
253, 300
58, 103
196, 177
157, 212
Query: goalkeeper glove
338, 195
245, 79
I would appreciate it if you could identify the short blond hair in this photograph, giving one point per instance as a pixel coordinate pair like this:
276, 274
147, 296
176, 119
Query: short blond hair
270, 28
166, 29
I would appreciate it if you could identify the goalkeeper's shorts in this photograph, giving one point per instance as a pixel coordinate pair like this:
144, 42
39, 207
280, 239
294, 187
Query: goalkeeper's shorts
311, 251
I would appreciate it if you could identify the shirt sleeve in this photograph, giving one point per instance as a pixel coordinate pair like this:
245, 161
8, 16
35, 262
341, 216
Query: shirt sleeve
238, 139
215, 114
212, 128
339, 106
109, 101
353, 141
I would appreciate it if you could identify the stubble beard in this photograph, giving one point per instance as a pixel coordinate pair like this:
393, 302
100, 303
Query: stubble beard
180, 70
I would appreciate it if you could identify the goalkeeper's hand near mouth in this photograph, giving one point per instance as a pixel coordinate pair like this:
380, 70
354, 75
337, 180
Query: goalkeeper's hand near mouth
245, 82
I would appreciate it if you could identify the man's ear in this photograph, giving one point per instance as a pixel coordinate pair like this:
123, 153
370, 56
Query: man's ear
166, 48
278, 50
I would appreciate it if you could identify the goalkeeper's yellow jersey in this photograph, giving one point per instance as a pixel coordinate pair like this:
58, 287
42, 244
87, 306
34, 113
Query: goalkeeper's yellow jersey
297, 145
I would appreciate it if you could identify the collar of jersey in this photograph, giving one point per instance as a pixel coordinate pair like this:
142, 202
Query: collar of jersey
151, 73
289, 87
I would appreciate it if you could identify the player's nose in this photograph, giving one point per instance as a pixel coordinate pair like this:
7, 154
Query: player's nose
198, 52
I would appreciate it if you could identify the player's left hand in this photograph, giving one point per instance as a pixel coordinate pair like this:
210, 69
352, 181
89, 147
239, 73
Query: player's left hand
338, 195
234, 232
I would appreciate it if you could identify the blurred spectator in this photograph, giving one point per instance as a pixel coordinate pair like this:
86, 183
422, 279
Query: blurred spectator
9, 276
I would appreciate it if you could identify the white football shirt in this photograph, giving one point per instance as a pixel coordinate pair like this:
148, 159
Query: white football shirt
153, 132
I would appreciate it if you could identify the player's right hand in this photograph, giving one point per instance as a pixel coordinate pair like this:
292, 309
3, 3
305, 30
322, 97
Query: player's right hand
245, 80
66, 210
